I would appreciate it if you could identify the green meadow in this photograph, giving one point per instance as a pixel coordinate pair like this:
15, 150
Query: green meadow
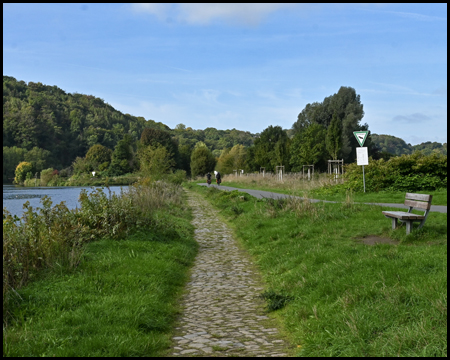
335, 292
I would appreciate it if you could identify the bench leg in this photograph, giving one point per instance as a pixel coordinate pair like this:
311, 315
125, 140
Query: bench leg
394, 223
408, 226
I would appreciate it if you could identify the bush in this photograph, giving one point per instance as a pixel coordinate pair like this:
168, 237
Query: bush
177, 177
415, 172
21, 171
46, 176
82, 165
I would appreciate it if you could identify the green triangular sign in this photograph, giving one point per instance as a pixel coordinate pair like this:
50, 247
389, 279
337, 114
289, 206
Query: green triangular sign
361, 136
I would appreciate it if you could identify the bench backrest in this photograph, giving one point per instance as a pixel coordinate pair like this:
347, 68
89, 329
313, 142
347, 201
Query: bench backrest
418, 201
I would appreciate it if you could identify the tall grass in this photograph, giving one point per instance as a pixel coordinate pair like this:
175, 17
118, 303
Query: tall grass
292, 182
323, 186
53, 235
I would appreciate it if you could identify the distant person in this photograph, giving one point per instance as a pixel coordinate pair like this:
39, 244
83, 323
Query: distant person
218, 179
208, 178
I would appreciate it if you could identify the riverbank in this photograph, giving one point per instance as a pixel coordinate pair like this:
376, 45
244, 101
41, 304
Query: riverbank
99, 281
85, 180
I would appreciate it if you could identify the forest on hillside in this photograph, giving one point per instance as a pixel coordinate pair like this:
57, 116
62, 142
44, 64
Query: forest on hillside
73, 133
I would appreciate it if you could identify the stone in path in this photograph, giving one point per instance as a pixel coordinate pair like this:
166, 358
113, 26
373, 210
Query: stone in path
222, 315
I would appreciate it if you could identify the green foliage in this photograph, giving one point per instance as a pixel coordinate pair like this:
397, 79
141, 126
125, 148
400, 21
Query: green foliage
122, 160
333, 139
12, 156
66, 125
156, 137
202, 161
271, 149
391, 144
21, 171
46, 176
177, 177
428, 148
99, 155
346, 104
411, 173
155, 161
232, 159
307, 147
82, 165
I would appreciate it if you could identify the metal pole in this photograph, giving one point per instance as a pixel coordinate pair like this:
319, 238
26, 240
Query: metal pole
364, 179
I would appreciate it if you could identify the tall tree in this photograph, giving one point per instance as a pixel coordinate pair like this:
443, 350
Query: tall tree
232, 159
334, 137
155, 161
349, 110
122, 157
202, 161
308, 146
264, 152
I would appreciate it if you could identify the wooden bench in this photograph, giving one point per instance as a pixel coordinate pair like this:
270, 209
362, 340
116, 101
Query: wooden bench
414, 201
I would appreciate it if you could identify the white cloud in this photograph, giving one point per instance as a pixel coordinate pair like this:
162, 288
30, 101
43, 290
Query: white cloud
413, 118
205, 13
159, 10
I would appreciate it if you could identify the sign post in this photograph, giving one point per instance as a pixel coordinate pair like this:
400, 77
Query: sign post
362, 155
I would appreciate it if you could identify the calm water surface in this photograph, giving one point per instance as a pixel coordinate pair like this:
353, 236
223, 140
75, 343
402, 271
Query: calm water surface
15, 196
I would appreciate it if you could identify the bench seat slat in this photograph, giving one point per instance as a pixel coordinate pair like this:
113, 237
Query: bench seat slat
403, 215
421, 197
418, 204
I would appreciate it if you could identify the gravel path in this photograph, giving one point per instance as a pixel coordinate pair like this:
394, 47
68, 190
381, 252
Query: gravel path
222, 315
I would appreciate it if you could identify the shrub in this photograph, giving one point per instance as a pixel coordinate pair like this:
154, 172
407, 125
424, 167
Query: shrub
46, 176
413, 172
21, 171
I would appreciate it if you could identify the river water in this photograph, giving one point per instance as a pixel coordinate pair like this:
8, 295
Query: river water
15, 196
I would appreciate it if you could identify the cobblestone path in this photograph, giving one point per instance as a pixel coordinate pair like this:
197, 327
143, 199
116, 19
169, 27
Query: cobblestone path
222, 315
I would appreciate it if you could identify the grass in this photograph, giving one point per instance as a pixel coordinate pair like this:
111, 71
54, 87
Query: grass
314, 189
120, 300
345, 298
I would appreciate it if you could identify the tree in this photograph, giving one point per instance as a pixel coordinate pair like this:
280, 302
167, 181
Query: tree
155, 161
157, 137
122, 157
346, 104
98, 155
22, 170
40, 158
308, 146
334, 137
232, 159
202, 161
264, 152
12, 156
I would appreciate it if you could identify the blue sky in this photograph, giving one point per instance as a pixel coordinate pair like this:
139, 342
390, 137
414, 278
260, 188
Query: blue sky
243, 66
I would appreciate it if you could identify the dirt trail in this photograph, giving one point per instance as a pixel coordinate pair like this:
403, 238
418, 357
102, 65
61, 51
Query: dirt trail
222, 315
